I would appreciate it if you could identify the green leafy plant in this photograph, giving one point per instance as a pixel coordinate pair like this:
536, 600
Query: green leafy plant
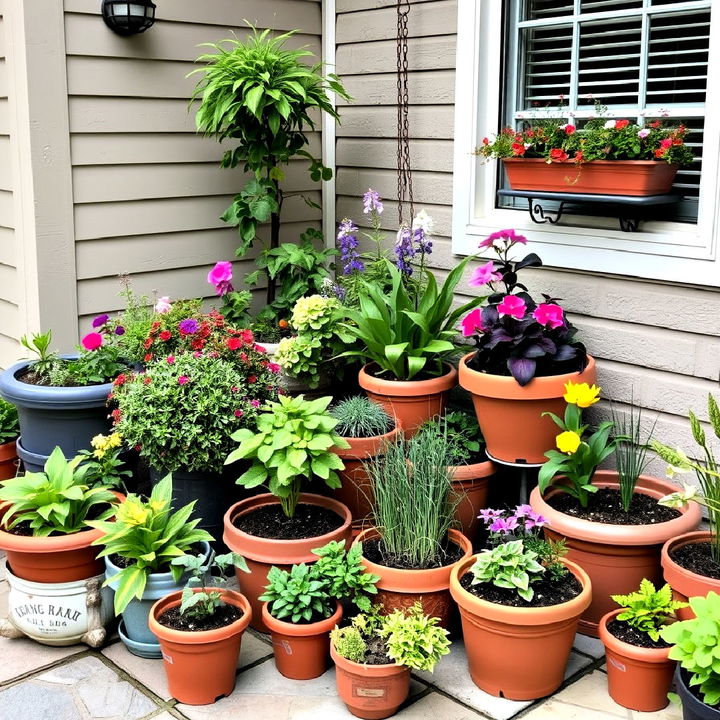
197, 601
57, 501
39, 344
291, 446
360, 417
9, 425
695, 646
150, 535
461, 431
102, 464
406, 333
648, 610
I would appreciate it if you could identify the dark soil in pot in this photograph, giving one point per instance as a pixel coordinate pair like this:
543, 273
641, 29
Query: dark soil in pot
376, 652
605, 506
269, 521
223, 616
547, 592
23, 529
622, 631
30, 377
697, 557
374, 551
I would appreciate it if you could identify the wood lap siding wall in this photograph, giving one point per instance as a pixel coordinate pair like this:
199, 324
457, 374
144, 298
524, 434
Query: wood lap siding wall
659, 341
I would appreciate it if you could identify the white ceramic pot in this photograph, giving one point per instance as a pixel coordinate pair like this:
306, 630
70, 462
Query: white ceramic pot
58, 613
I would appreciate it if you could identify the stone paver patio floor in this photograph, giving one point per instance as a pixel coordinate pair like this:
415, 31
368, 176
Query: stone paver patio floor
43, 683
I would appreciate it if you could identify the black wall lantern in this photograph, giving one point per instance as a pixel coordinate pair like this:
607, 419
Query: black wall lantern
128, 17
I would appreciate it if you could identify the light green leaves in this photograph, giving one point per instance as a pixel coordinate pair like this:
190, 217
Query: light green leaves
509, 565
648, 610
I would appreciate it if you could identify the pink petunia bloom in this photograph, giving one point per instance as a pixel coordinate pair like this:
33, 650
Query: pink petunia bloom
162, 305
512, 306
472, 323
220, 276
504, 525
183, 379
509, 236
92, 341
484, 274
549, 315
255, 403
170, 359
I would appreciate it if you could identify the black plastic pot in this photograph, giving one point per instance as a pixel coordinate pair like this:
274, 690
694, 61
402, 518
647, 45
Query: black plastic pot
66, 416
693, 709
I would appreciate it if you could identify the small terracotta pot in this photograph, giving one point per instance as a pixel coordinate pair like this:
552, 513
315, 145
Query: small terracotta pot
518, 653
470, 484
8, 460
302, 650
410, 402
262, 553
616, 557
685, 583
200, 666
357, 491
401, 588
372, 692
510, 415
638, 678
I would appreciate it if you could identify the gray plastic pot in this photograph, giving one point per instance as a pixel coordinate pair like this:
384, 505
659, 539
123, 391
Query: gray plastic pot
66, 416
136, 633
693, 708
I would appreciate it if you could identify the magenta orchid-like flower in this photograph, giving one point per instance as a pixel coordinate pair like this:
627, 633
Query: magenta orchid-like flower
512, 306
508, 236
92, 341
504, 525
549, 314
220, 276
484, 274
472, 323
162, 305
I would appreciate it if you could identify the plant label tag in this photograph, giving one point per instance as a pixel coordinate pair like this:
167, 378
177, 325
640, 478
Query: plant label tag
167, 658
620, 666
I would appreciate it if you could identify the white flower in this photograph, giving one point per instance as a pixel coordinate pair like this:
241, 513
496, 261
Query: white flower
163, 305
424, 221
643, 133
609, 125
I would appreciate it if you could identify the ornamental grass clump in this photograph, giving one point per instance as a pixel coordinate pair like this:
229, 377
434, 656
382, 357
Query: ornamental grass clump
360, 417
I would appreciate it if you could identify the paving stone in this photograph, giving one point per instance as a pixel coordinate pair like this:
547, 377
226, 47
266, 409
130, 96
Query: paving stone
436, 707
671, 712
31, 700
591, 691
556, 710
152, 674
73, 672
589, 645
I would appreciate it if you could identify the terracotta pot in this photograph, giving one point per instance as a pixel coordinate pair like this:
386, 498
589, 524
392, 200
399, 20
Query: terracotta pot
638, 678
262, 553
693, 708
597, 177
356, 491
510, 416
302, 650
401, 588
616, 557
518, 653
8, 460
471, 484
410, 402
200, 666
372, 692
685, 583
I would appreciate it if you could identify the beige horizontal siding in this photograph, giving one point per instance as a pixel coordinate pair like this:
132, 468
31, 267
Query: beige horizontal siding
431, 53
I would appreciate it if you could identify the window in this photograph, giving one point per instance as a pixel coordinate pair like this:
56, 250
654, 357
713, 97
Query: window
639, 58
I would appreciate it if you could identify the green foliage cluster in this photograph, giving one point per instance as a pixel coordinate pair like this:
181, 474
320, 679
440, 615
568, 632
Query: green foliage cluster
461, 431
102, 464
9, 425
359, 417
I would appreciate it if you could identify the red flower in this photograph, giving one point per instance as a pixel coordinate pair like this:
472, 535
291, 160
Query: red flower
659, 152
485, 141
116, 415
570, 129
620, 124
252, 379
518, 149
677, 141
666, 143
147, 380
655, 124
238, 413
165, 335
121, 379
148, 357
234, 343
247, 336
155, 326
148, 343
558, 155
197, 344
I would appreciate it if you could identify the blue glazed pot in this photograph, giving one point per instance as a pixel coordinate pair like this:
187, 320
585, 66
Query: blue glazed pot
66, 416
137, 636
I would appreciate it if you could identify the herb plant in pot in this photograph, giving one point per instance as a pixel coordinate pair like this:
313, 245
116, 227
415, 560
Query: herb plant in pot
520, 603
291, 447
638, 667
200, 630
612, 521
302, 605
367, 429
413, 547
139, 549
9, 431
526, 352
375, 654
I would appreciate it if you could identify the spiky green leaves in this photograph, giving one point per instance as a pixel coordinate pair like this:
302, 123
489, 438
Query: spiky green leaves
648, 610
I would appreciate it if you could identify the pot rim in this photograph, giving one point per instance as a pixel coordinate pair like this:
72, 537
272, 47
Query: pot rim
159, 576
361, 448
474, 471
632, 652
283, 627
187, 637
636, 163
607, 534
670, 566
407, 388
365, 669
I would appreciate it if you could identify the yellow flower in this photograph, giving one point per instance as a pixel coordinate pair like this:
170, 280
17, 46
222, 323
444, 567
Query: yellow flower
568, 441
115, 440
581, 394
98, 442
132, 512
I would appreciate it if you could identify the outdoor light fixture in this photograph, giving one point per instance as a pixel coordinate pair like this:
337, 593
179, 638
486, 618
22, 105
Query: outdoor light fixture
128, 17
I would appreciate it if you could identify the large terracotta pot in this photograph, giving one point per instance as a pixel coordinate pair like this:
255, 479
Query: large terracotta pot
200, 666
510, 416
685, 583
638, 678
616, 557
597, 177
401, 588
518, 653
356, 491
372, 692
262, 553
8, 460
410, 402
302, 650
470, 484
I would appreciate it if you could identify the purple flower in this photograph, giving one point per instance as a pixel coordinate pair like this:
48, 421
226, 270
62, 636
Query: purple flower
533, 520
372, 202
348, 244
522, 511
119, 330
188, 326
504, 525
420, 238
100, 320
404, 250
488, 515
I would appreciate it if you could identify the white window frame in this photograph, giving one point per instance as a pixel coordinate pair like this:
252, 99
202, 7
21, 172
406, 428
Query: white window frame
674, 252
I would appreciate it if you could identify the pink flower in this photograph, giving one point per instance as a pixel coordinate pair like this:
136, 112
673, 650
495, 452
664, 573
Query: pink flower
504, 525
643, 133
472, 323
197, 354
162, 305
484, 274
508, 236
274, 368
220, 276
183, 379
92, 341
238, 413
512, 306
255, 403
170, 359
549, 314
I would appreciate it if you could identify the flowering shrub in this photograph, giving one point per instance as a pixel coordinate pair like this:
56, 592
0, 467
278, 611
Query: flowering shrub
514, 334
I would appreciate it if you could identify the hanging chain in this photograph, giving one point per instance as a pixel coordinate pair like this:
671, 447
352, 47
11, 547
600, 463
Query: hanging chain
404, 172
